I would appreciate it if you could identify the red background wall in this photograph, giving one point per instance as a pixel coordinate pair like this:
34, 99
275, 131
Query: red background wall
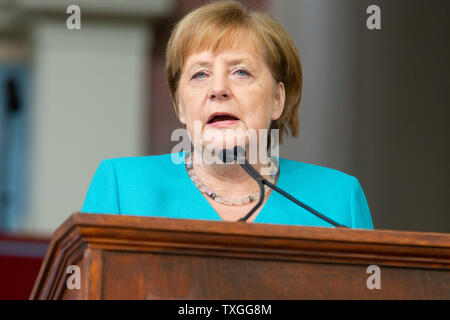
20, 260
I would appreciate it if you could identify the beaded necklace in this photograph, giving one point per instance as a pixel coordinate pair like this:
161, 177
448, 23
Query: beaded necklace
225, 200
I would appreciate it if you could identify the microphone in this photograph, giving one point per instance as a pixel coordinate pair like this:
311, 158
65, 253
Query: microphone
228, 156
238, 153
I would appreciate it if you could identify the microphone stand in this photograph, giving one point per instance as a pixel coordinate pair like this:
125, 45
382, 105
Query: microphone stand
261, 190
262, 181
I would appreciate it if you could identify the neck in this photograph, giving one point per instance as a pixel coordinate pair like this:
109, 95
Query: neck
228, 180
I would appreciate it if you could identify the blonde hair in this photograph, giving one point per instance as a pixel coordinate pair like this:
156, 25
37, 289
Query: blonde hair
215, 26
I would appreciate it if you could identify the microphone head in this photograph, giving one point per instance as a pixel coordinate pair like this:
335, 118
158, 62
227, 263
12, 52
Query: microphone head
239, 153
226, 155
229, 155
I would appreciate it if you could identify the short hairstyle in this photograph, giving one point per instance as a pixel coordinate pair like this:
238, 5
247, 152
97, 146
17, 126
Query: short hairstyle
215, 26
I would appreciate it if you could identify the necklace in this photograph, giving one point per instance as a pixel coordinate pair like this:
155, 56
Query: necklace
225, 200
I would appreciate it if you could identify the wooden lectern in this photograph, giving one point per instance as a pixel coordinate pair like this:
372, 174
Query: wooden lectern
129, 257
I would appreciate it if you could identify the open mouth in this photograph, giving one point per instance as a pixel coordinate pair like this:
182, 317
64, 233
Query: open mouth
221, 119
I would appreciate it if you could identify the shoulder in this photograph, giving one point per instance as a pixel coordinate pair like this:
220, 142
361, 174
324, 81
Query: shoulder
141, 171
156, 165
160, 160
313, 173
135, 185
332, 192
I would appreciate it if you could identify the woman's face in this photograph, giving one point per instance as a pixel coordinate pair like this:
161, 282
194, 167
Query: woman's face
237, 86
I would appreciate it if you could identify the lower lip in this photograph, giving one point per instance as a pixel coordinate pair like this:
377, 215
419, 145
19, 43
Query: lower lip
224, 123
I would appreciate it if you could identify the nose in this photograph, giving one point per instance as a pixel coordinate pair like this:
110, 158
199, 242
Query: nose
219, 89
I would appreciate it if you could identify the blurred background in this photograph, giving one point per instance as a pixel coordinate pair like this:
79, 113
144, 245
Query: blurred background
375, 104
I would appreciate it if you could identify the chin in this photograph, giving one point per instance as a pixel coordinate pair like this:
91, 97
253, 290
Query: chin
224, 140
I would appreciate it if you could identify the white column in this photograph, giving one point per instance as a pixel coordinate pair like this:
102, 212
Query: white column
88, 105
89, 92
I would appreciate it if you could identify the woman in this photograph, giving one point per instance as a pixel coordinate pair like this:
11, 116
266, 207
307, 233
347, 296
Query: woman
230, 72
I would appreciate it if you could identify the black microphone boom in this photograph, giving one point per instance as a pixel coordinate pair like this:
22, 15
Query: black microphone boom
238, 153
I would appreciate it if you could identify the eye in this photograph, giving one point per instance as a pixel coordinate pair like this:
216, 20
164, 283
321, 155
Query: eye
242, 73
199, 75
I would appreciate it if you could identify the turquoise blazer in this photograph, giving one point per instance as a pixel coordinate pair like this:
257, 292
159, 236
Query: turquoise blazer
155, 186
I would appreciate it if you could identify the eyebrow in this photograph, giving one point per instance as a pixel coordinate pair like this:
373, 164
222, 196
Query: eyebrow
232, 62
200, 64
239, 61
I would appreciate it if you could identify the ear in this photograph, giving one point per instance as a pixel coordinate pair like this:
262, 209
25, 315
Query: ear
280, 96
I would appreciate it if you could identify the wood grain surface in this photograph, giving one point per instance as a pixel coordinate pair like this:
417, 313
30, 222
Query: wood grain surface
130, 257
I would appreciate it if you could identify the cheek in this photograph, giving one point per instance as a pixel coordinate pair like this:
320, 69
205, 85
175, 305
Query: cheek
191, 105
192, 112
258, 110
